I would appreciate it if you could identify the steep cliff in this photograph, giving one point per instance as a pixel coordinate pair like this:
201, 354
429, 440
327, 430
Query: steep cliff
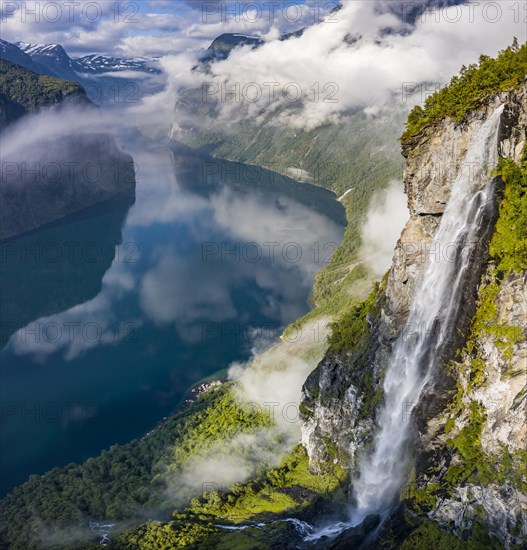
470, 429
54, 175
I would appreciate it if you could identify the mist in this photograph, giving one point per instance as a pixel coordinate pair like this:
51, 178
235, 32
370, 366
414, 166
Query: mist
385, 220
269, 383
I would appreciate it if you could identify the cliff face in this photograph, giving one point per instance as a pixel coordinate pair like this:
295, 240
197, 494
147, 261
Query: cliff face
340, 396
499, 496
84, 170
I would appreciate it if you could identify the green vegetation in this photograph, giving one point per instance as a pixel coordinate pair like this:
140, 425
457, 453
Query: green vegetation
471, 90
290, 488
360, 152
124, 481
30, 91
507, 249
430, 535
352, 327
509, 242
127, 481
473, 463
508, 257
469, 462
285, 490
274, 491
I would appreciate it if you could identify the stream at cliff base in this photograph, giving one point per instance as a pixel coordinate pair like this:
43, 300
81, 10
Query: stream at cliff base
108, 319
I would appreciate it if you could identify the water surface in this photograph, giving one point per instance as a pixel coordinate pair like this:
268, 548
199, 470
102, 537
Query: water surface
107, 320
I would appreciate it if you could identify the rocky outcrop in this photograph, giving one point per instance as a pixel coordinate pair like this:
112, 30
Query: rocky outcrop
501, 392
62, 178
334, 393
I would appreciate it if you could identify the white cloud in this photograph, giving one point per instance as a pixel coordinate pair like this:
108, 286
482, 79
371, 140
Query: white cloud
188, 291
83, 327
273, 379
271, 382
185, 292
385, 220
358, 57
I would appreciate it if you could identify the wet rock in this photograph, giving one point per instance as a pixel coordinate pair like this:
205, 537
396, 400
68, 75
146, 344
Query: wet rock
335, 393
355, 536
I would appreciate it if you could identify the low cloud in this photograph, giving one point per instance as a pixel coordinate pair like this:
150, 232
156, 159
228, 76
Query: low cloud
385, 220
363, 60
227, 462
271, 382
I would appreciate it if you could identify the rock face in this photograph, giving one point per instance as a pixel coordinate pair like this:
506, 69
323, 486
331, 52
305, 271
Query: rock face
62, 178
332, 425
503, 398
334, 395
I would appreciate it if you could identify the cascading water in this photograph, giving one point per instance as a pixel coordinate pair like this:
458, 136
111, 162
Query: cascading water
434, 307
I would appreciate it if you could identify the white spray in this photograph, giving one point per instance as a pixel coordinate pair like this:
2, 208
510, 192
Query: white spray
434, 306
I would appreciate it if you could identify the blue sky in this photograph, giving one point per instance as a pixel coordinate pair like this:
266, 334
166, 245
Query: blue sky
178, 25
350, 51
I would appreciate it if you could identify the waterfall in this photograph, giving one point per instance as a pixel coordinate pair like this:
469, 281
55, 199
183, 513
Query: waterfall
434, 307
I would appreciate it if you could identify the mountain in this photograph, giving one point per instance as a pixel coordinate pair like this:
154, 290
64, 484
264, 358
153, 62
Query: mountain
31, 201
52, 60
10, 52
410, 12
96, 63
22, 91
53, 57
421, 392
222, 46
98, 74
